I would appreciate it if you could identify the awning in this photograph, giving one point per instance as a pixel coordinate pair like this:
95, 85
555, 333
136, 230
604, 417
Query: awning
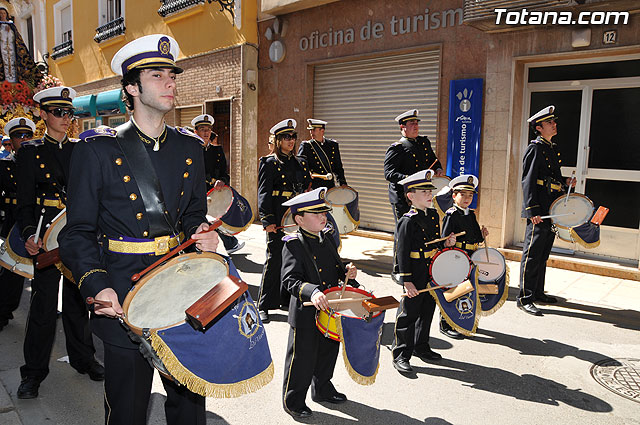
110, 102
85, 106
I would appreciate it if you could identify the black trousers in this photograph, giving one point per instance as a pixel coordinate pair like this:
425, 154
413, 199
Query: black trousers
41, 324
229, 241
12, 286
272, 294
399, 210
413, 323
310, 359
538, 241
127, 389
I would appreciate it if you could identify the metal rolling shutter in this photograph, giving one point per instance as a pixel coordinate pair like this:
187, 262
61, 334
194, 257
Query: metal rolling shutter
360, 100
188, 113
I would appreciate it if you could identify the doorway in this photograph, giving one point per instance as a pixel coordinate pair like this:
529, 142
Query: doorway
221, 112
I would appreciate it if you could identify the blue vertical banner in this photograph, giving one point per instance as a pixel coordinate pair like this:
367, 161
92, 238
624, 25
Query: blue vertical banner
465, 123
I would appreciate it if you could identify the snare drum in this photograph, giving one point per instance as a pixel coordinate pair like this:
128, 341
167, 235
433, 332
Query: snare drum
345, 210
439, 182
326, 321
50, 240
14, 256
231, 208
289, 226
492, 269
450, 267
579, 209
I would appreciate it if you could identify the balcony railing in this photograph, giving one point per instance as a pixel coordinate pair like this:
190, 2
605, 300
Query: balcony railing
63, 49
109, 30
172, 6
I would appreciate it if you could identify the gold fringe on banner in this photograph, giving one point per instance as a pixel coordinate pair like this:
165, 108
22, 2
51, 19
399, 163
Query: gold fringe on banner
578, 239
357, 378
200, 386
451, 322
503, 298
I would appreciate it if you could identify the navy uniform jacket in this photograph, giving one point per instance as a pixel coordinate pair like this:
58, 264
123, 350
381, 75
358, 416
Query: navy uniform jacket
8, 188
276, 177
415, 228
104, 202
542, 181
43, 173
301, 277
456, 221
405, 157
215, 165
317, 154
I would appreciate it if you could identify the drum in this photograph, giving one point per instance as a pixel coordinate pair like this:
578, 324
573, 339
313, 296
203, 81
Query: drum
579, 210
439, 182
345, 210
326, 321
289, 226
492, 269
50, 240
231, 208
450, 267
13, 254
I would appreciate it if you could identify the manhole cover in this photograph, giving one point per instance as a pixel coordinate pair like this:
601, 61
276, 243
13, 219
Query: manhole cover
621, 376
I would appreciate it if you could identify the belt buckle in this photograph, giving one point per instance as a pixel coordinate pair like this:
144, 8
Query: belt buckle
161, 245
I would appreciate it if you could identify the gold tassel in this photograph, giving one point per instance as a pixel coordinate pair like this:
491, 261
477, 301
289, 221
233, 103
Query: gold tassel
578, 239
200, 386
503, 298
357, 378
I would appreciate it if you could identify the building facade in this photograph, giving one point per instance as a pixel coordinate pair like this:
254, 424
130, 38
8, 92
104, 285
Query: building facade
359, 63
218, 51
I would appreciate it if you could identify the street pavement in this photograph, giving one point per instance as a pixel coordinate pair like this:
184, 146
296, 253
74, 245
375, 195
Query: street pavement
518, 369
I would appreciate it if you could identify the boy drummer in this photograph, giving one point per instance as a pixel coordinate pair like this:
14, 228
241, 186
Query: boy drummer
415, 228
310, 265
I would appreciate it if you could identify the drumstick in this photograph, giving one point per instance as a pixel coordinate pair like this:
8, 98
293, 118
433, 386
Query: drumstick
573, 176
432, 164
426, 290
39, 226
556, 215
486, 249
212, 226
283, 227
101, 303
445, 238
339, 301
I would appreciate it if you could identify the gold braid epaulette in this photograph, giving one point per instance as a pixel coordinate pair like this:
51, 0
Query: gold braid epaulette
87, 274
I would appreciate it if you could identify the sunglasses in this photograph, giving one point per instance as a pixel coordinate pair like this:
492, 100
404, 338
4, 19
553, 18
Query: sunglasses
61, 112
22, 136
6, 144
290, 137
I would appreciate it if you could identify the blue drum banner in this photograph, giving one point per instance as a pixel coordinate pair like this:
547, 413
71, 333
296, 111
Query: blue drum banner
465, 123
361, 346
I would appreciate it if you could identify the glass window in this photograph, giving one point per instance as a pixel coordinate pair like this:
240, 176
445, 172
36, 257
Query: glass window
586, 71
620, 197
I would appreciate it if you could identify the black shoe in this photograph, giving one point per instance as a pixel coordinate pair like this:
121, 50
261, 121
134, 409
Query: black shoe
427, 355
529, 308
264, 316
95, 370
303, 412
450, 332
546, 299
335, 398
238, 247
28, 388
402, 365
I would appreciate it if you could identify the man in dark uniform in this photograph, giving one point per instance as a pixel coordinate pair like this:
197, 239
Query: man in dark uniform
134, 191
43, 173
215, 169
281, 176
410, 154
323, 156
542, 183
19, 130
310, 265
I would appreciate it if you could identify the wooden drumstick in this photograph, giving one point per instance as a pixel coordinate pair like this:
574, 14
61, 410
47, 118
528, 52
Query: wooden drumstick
426, 290
432, 164
486, 249
445, 238
573, 176
212, 226
340, 301
282, 227
101, 303
37, 236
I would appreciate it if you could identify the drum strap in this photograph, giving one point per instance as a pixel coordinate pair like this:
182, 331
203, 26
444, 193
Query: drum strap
322, 155
146, 179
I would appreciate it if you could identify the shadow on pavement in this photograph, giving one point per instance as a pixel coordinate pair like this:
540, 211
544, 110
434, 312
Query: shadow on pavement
362, 413
156, 404
244, 264
521, 387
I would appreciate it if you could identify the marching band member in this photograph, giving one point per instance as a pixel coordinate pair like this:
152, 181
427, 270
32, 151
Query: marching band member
310, 265
416, 227
323, 156
43, 173
281, 176
139, 187
19, 130
215, 168
542, 183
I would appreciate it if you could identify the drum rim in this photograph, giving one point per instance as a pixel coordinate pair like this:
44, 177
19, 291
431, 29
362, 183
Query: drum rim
54, 223
504, 261
351, 289
336, 188
213, 189
433, 259
559, 199
232, 229
136, 288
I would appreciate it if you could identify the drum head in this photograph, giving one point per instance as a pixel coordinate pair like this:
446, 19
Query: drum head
160, 299
352, 309
439, 183
219, 201
287, 220
579, 206
50, 238
492, 271
340, 196
450, 267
